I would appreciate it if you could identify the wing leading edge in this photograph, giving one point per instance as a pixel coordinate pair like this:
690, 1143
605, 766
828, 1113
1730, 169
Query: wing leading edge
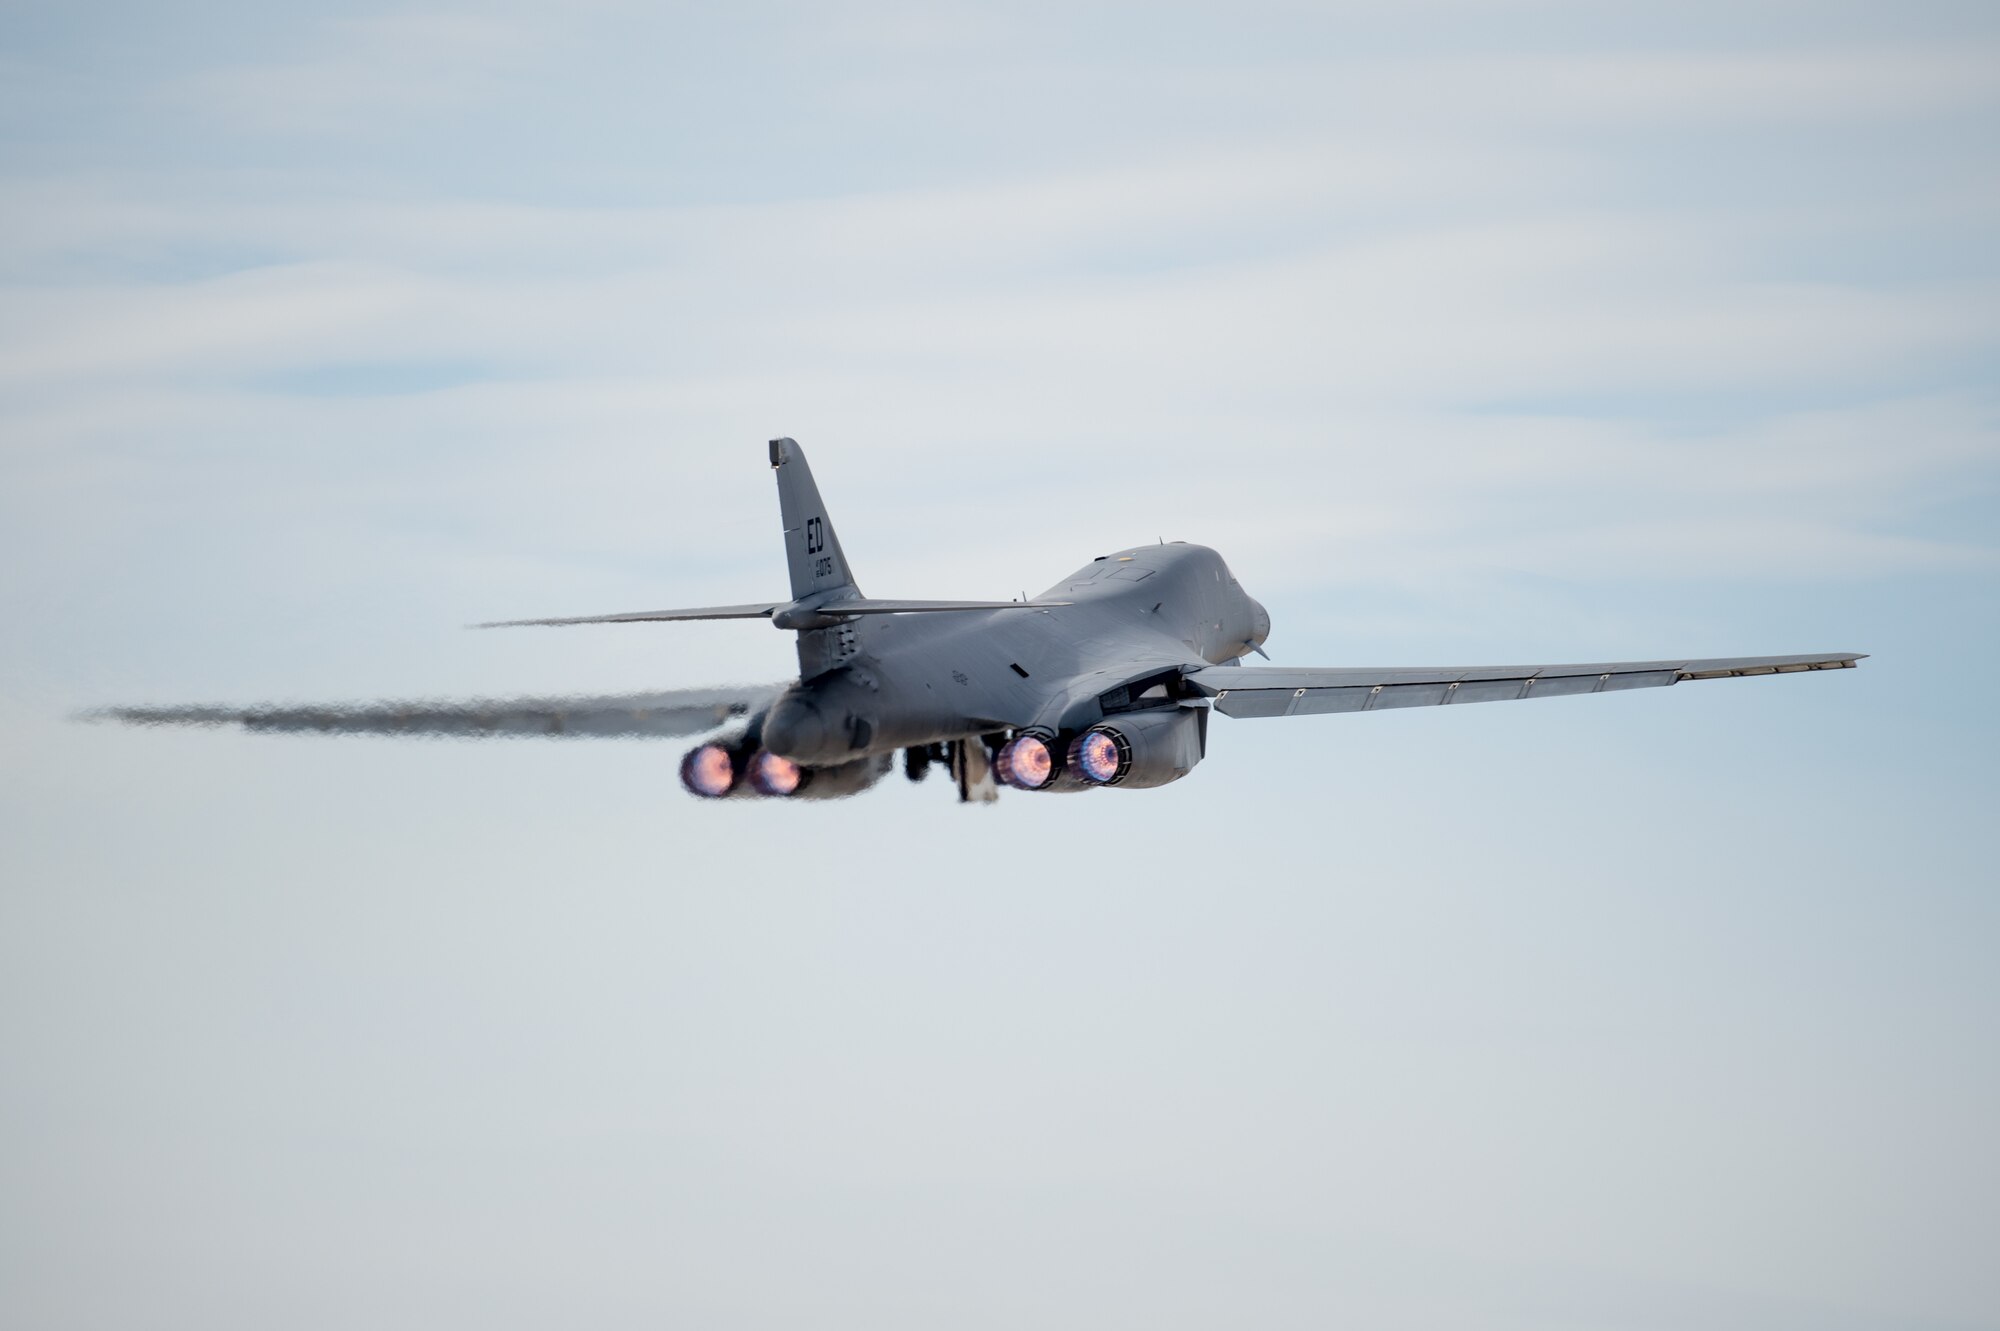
1247, 691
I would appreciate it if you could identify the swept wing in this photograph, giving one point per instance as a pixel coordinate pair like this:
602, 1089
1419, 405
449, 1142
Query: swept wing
631, 715
1278, 691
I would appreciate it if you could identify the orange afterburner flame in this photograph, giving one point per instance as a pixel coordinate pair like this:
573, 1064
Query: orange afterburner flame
1095, 755
1025, 762
708, 771
772, 775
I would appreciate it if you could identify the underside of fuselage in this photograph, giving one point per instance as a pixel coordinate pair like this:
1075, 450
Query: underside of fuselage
1010, 693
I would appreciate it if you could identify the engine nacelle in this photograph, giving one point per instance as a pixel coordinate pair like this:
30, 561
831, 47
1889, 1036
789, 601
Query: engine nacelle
826, 721
719, 770
843, 779
1138, 750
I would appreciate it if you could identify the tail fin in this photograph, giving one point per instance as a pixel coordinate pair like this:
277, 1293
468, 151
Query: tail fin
811, 548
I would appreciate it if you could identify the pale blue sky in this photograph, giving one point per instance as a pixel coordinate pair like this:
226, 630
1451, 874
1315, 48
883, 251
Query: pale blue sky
1468, 331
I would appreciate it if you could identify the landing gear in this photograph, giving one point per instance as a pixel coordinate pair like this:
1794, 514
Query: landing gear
917, 761
972, 768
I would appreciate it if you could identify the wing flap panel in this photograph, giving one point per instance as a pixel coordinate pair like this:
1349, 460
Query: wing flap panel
1408, 695
1318, 702
1258, 702
1487, 690
1557, 686
1639, 679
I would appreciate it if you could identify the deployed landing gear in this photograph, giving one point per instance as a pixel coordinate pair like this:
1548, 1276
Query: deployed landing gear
917, 760
972, 769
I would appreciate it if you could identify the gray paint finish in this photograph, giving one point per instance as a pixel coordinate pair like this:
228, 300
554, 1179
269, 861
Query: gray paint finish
1246, 691
1123, 647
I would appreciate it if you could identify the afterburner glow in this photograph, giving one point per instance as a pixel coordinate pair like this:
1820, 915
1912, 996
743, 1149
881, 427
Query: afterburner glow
1095, 756
708, 771
1025, 763
772, 775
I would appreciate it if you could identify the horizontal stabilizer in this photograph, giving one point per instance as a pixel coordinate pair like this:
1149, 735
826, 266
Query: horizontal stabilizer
766, 611
759, 611
872, 607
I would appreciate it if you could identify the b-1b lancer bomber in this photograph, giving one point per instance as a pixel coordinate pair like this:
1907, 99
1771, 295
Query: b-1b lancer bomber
1107, 679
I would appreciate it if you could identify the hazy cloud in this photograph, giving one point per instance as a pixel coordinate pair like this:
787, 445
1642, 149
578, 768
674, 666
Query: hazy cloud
1467, 330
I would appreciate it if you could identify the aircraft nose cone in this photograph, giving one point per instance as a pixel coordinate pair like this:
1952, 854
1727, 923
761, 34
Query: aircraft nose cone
795, 730
1260, 622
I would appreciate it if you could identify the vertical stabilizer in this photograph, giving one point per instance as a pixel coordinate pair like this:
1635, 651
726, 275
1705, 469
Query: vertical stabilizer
811, 548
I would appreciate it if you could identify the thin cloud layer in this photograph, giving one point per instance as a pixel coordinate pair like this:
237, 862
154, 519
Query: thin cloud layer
1467, 331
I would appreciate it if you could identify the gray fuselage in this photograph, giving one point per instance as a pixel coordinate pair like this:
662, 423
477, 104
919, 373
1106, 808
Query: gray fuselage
918, 679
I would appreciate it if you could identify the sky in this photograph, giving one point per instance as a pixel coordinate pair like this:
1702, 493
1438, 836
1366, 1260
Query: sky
1469, 331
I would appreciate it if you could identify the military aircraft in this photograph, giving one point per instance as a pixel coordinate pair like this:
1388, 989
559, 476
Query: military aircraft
1105, 680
